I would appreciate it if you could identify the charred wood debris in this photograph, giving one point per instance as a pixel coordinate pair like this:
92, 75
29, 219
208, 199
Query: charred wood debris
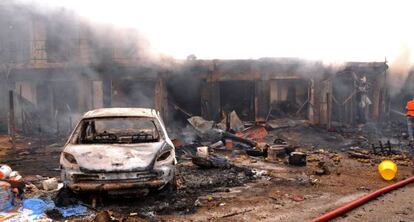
217, 144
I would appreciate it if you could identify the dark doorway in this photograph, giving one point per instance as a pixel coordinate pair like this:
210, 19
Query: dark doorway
238, 96
184, 97
288, 98
44, 98
65, 101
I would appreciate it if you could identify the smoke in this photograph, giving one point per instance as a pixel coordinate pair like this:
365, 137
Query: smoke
399, 71
97, 52
63, 53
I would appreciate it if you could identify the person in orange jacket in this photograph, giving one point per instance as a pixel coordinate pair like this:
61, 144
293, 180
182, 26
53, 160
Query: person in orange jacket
410, 118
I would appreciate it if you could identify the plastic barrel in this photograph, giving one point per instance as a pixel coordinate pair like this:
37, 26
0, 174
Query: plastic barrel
387, 169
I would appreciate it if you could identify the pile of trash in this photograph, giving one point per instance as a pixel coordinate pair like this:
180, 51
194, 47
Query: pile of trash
21, 200
231, 134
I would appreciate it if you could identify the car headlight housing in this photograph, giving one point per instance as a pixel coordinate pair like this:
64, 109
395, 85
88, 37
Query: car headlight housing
164, 156
70, 158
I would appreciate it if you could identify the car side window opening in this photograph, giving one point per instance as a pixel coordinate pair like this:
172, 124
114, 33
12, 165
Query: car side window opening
118, 130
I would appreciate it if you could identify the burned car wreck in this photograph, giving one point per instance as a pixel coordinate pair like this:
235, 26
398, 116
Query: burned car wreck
118, 149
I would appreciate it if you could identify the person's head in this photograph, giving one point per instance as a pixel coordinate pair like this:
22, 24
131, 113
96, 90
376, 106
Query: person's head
364, 79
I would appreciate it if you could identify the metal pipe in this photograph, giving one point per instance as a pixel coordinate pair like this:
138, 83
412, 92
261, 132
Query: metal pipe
362, 200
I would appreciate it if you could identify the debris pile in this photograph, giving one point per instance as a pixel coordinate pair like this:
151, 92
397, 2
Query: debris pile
30, 198
379, 153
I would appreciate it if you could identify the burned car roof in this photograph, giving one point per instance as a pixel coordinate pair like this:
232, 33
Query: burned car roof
129, 112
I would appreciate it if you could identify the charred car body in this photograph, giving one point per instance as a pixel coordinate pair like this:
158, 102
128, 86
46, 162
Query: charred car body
118, 149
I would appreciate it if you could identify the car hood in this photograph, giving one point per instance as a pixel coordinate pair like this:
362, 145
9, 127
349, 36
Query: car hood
115, 157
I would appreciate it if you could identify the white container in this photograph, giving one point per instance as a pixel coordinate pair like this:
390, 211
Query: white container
50, 184
5, 171
202, 151
14, 175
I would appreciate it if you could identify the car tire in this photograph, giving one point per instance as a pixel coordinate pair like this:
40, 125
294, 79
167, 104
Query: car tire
170, 187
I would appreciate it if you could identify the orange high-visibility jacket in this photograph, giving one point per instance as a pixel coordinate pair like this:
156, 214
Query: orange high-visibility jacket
410, 108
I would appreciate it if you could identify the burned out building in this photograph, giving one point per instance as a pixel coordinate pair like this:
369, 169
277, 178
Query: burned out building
271, 88
58, 67
256, 89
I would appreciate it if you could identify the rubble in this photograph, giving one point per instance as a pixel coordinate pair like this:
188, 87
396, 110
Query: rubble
214, 159
210, 161
253, 133
235, 123
200, 124
322, 169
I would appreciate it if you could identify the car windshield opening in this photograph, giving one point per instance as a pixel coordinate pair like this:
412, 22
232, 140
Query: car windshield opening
118, 130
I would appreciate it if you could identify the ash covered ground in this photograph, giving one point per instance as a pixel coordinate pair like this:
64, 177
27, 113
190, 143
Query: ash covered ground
249, 188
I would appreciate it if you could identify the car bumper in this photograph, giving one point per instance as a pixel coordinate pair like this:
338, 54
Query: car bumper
79, 181
101, 186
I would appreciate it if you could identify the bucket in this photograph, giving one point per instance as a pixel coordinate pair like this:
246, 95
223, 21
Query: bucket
276, 151
387, 169
5, 172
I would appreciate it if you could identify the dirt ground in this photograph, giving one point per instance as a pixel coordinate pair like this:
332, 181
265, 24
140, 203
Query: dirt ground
394, 206
251, 189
